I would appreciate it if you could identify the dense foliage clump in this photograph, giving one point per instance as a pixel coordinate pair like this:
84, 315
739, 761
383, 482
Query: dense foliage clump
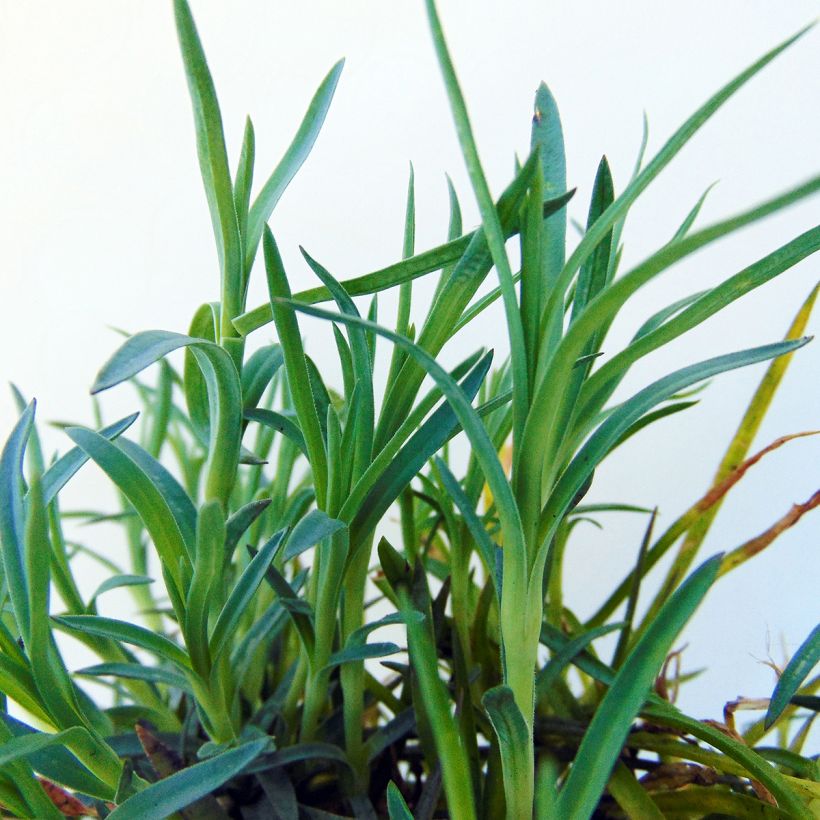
252, 498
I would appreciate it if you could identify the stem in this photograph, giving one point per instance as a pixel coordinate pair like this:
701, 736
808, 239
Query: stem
353, 674
454, 763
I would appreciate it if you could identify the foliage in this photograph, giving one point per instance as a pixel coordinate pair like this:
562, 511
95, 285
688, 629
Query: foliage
253, 492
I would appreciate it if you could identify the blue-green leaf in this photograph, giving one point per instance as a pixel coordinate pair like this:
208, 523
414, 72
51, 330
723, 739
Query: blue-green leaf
128, 633
396, 807
607, 732
292, 161
797, 670
12, 523
241, 595
137, 671
173, 793
310, 530
59, 474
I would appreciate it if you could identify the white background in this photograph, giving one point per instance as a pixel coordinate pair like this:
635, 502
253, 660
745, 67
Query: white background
103, 221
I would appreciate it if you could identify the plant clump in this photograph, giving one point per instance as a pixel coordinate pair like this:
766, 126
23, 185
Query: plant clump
252, 496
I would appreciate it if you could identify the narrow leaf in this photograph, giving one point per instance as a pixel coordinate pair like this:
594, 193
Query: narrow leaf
797, 670
605, 736
173, 793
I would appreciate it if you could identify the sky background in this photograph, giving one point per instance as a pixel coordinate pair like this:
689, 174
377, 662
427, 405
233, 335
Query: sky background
103, 223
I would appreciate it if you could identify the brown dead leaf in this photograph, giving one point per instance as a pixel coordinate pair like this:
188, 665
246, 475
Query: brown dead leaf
66, 803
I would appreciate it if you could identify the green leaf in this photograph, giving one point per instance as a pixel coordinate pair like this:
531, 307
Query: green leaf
128, 633
797, 670
224, 396
396, 807
17, 683
448, 744
291, 162
12, 520
617, 211
547, 135
299, 752
59, 474
257, 373
631, 796
57, 763
238, 523
205, 326
692, 215
592, 278
690, 314
513, 737
310, 530
178, 501
550, 403
707, 801
282, 424
296, 367
146, 498
555, 667
351, 654
493, 230
735, 454
116, 582
651, 418
419, 265
173, 793
515, 557
242, 594
204, 591
664, 713
28, 744
299, 610
137, 671
605, 736
422, 445
601, 441
213, 163
362, 371
243, 183
489, 550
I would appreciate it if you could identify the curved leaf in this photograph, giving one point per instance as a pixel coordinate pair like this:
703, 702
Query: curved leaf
601, 441
137, 671
12, 522
213, 163
257, 373
291, 162
224, 396
173, 793
797, 670
360, 653
128, 633
59, 474
396, 807
605, 736
309, 531
146, 498
241, 595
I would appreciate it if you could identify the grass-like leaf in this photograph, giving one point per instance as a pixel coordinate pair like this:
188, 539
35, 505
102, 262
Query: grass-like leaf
291, 162
213, 163
396, 807
128, 633
173, 793
241, 596
605, 736
137, 671
798, 669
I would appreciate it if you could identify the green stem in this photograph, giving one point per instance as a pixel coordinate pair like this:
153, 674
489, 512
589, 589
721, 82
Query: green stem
454, 763
353, 674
